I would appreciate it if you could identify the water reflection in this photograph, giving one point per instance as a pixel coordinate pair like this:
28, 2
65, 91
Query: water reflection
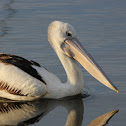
26, 113
103, 119
3, 22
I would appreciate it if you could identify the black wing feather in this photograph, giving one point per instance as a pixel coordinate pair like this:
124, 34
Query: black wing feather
22, 63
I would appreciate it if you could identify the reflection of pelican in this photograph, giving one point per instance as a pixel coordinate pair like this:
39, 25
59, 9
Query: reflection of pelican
16, 113
25, 113
103, 119
21, 79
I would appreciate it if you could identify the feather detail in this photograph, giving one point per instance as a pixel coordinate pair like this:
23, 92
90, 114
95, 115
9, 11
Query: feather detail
14, 91
15, 83
21, 63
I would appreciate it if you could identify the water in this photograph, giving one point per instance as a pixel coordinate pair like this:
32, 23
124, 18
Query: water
101, 28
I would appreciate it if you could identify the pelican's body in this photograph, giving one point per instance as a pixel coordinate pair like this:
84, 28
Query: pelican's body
21, 79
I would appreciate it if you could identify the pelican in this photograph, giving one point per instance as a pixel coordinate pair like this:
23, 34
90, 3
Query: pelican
22, 79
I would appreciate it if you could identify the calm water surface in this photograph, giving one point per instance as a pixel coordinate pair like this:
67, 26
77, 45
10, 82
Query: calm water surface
101, 28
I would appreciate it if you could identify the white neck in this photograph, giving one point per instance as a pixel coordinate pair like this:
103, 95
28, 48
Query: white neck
75, 82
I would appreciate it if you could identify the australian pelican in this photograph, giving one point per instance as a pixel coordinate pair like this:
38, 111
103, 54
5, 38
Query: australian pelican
21, 79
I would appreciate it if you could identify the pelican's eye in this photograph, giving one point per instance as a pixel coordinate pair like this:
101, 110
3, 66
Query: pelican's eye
69, 34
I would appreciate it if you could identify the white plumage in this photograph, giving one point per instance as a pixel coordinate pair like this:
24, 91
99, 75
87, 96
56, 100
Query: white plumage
21, 79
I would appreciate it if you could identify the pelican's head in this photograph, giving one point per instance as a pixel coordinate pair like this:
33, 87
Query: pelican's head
58, 32
62, 36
